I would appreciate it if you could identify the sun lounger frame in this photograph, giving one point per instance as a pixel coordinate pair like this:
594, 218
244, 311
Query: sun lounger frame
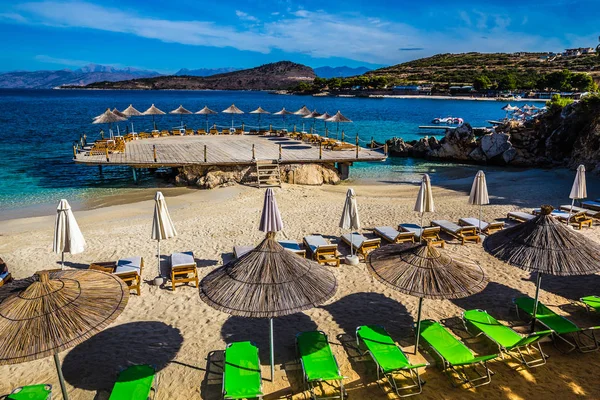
491, 227
324, 254
577, 343
310, 385
516, 215
579, 219
410, 372
464, 234
528, 360
365, 247
181, 274
402, 237
463, 376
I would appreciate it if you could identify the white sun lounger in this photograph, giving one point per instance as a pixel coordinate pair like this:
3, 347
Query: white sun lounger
592, 205
361, 244
182, 266
130, 264
462, 233
393, 236
520, 216
486, 227
321, 250
430, 233
575, 209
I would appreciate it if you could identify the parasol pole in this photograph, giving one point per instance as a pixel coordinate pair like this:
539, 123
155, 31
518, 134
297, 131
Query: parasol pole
535, 304
417, 334
158, 257
61, 378
421, 231
62, 260
272, 349
206, 123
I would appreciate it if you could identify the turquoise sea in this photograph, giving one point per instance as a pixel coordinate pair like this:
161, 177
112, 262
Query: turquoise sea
38, 128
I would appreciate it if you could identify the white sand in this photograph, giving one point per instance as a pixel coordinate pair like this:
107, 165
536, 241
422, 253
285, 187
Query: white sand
185, 330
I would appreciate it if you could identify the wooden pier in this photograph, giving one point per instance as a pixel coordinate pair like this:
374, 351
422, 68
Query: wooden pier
225, 150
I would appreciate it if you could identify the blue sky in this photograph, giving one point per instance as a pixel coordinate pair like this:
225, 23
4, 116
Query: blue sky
168, 35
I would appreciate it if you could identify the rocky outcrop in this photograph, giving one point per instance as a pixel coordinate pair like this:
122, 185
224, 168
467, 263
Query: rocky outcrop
211, 177
566, 136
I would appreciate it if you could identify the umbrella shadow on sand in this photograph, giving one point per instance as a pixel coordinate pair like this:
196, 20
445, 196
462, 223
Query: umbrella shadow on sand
496, 299
95, 363
256, 330
570, 287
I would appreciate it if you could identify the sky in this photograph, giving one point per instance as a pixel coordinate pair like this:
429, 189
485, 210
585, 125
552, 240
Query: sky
165, 36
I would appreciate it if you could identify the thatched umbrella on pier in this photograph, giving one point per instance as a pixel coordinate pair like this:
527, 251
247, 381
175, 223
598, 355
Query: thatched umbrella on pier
314, 114
55, 310
181, 111
108, 117
545, 246
302, 112
153, 110
425, 272
324, 117
259, 111
283, 112
338, 117
232, 109
268, 281
206, 112
119, 113
131, 112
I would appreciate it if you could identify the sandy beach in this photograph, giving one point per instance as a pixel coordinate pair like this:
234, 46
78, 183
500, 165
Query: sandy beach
184, 338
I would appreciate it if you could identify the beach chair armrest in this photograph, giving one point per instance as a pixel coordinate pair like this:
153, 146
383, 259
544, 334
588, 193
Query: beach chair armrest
414, 366
590, 328
476, 360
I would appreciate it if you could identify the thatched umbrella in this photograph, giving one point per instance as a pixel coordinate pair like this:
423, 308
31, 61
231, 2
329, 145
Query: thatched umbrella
181, 111
119, 113
578, 190
283, 112
314, 114
232, 109
153, 110
131, 112
268, 281
545, 246
425, 272
108, 117
338, 117
302, 112
259, 111
206, 112
324, 117
479, 194
53, 311
424, 201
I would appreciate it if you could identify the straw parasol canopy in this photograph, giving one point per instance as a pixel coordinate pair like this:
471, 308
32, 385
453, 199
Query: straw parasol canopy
425, 272
424, 201
108, 117
67, 235
119, 113
302, 111
324, 117
232, 109
338, 117
132, 112
283, 112
268, 281
546, 246
479, 194
153, 110
259, 111
206, 112
53, 311
181, 111
314, 114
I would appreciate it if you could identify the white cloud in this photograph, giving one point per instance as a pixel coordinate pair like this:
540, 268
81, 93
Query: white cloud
12, 17
62, 61
315, 33
245, 16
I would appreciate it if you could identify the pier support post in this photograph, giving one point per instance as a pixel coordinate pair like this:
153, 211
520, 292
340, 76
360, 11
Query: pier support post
154, 151
385, 149
357, 146
107, 159
344, 170
74, 153
204, 153
135, 179
342, 136
280, 152
294, 127
320, 150
253, 153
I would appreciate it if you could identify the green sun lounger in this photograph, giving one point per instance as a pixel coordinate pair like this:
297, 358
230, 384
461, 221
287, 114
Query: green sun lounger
31, 392
135, 382
318, 363
508, 341
241, 373
592, 303
455, 356
390, 360
562, 327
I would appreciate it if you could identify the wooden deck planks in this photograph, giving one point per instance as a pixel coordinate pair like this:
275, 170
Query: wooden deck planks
224, 150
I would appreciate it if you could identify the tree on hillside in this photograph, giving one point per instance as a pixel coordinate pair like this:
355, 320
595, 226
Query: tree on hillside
482, 82
507, 82
583, 82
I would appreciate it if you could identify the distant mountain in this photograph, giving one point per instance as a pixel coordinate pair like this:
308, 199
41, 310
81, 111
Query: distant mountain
279, 75
79, 77
340, 72
205, 71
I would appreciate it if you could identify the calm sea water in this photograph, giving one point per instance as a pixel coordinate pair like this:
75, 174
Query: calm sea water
38, 127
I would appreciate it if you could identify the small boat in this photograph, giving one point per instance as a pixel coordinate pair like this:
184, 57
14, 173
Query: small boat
448, 120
